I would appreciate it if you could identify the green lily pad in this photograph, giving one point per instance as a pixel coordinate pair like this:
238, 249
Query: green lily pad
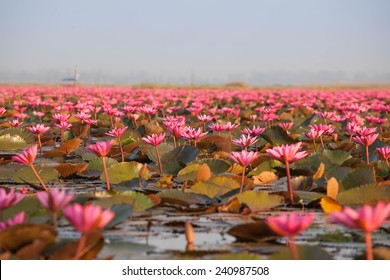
184, 154
365, 194
122, 212
337, 157
215, 186
172, 168
188, 173
277, 136
360, 176
180, 198
26, 174
12, 142
138, 201
19, 132
163, 149
217, 166
123, 172
260, 200
97, 164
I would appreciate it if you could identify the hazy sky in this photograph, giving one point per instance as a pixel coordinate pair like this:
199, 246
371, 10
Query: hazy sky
278, 41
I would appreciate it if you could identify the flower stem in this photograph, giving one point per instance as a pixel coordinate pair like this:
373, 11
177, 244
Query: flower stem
369, 253
38, 177
242, 178
293, 248
290, 192
121, 149
159, 160
62, 136
388, 165
39, 143
106, 173
55, 224
82, 242
367, 156
322, 142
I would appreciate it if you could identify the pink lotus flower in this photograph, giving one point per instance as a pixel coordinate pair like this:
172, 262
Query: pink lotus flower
38, 129
245, 141
101, 148
366, 141
254, 131
9, 199
243, 158
116, 132
286, 126
205, 118
63, 125
154, 139
28, 156
287, 154
54, 200
367, 218
2, 110
218, 127
15, 123
384, 153
87, 219
290, 226
61, 118
16, 220
193, 134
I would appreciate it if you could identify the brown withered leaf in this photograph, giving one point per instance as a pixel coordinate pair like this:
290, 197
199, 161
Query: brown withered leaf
32, 251
233, 206
204, 173
68, 169
65, 148
154, 198
332, 188
328, 204
215, 143
320, 171
252, 232
93, 246
18, 236
264, 177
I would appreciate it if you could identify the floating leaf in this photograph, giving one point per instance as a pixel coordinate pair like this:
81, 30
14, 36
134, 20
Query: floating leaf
252, 232
261, 200
337, 157
204, 173
89, 156
97, 164
265, 166
339, 172
277, 136
366, 194
12, 142
265, 177
138, 201
18, 236
312, 162
188, 173
68, 169
184, 154
217, 166
180, 198
319, 172
124, 171
65, 148
332, 188
26, 174
172, 168
19, 132
360, 176
215, 186
304, 252
215, 143
328, 204
122, 212
93, 245
163, 149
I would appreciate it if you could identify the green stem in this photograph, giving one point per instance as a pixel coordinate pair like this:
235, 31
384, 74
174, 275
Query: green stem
39, 178
106, 173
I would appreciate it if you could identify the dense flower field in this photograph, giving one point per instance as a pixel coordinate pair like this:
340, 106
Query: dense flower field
94, 172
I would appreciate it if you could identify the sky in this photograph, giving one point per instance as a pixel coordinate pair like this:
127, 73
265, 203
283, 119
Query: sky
200, 41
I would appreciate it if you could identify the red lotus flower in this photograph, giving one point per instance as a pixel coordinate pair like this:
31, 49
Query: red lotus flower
154, 139
367, 218
116, 132
290, 226
243, 158
87, 218
245, 141
38, 129
28, 156
9, 199
101, 148
16, 220
287, 153
254, 131
54, 200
